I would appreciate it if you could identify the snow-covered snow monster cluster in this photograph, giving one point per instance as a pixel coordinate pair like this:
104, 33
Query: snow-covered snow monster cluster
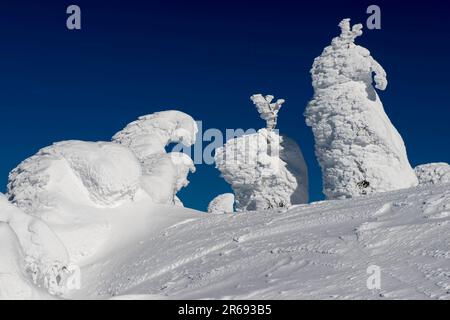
55, 209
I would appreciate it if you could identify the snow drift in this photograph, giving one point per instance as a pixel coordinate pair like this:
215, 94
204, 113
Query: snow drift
358, 148
265, 170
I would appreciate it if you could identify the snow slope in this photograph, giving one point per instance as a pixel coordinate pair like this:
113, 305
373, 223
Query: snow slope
316, 251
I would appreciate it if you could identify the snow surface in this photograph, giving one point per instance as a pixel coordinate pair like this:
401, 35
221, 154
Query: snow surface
358, 148
223, 203
433, 173
316, 251
265, 170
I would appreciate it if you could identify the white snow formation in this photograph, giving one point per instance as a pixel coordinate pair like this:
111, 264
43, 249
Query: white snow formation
265, 170
433, 173
267, 110
164, 173
76, 187
223, 203
359, 150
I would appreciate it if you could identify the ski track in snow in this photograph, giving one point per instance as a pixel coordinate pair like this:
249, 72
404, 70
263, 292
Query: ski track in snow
316, 251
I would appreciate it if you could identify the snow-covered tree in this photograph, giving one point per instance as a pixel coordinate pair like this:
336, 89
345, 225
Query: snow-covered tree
433, 173
267, 109
265, 170
223, 203
164, 174
358, 148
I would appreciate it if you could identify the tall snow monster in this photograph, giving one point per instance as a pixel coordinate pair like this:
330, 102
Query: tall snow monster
359, 150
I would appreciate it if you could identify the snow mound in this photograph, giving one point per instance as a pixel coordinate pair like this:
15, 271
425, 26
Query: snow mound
433, 173
265, 170
359, 150
93, 173
223, 203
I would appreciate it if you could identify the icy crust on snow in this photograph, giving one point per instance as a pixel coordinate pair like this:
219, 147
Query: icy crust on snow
265, 170
91, 173
433, 173
223, 203
164, 173
359, 150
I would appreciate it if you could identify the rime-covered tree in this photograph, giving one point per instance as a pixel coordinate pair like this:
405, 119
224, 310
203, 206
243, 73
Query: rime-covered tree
267, 109
265, 170
358, 148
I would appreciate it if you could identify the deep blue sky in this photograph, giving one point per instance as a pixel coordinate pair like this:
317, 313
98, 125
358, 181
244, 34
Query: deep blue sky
206, 58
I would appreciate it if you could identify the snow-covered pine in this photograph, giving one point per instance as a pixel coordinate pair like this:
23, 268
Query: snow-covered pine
359, 150
223, 203
267, 110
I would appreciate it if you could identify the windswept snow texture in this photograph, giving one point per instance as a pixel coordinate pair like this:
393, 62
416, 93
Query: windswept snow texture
358, 148
223, 203
316, 251
265, 171
165, 173
433, 173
